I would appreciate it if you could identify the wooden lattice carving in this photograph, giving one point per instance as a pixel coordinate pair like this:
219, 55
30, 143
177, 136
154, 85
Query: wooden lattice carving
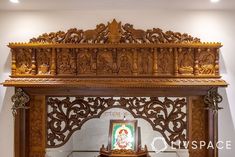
165, 116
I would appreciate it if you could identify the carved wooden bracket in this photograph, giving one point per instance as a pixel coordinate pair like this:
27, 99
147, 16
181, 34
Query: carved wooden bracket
212, 99
19, 99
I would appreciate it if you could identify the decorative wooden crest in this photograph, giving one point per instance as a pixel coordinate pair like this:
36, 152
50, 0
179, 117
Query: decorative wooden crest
115, 32
84, 57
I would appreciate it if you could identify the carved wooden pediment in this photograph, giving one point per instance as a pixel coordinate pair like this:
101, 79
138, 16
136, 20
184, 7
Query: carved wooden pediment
115, 32
104, 55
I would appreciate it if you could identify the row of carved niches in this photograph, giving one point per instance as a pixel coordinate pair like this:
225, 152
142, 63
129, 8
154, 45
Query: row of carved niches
116, 61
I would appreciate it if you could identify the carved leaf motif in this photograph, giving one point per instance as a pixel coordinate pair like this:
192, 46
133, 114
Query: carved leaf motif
73, 35
115, 32
68, 115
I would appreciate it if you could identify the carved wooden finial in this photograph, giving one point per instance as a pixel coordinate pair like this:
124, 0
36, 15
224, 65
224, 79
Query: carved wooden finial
114, 31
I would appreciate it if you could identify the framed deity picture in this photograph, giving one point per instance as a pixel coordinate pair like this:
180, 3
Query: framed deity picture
123, 135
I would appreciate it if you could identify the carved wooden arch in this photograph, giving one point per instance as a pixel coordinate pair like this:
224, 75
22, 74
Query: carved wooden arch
114, 60
154, 111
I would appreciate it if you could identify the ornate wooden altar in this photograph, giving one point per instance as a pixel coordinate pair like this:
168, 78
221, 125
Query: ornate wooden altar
114, 60
126, 143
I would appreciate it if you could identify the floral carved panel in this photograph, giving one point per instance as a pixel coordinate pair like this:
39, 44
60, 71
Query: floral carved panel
43, 60
165, 61
145, 62
199, 125
125, 62
23, 61
66, 115
186, 61
37, 134
206, 60
86, 62
66, 61
104, 62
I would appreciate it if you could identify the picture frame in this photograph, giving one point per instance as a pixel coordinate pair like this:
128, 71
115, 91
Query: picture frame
123, 135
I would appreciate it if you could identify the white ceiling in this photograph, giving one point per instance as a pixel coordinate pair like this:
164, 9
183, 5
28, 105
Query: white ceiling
116, 4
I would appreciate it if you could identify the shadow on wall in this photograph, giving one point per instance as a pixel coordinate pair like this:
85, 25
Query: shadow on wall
6, 124
7, 65
223, 69
226, 127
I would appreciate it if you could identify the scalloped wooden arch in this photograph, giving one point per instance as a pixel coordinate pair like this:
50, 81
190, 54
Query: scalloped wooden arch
77, 112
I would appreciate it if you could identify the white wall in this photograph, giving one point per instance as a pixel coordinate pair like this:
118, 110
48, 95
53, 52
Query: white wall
207, 25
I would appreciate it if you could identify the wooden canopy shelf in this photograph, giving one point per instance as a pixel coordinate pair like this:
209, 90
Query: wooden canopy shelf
116, 82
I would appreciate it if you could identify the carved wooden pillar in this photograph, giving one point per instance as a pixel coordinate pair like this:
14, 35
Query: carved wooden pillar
33, 52
212, 100
196, 62
53, 61
198, 129
94, 64
213, 133
20, 134
176, 67
203, 123
217, 62
20, 100
135, 61
114, 67
155, 68
13, 62
37, 126
76, 59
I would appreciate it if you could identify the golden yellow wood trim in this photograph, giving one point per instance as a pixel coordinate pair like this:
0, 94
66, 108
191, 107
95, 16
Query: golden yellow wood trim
113, 82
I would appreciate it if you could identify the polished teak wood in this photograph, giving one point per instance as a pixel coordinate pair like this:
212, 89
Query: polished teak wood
114, 60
